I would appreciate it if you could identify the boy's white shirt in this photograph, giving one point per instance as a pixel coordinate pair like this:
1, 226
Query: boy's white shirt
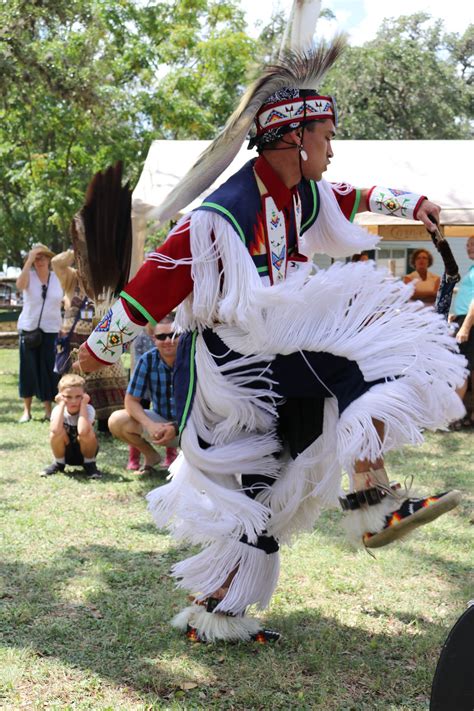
72, 420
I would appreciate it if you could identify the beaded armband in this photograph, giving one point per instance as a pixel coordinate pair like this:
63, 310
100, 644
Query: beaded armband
365, 497
112, 334
394, 203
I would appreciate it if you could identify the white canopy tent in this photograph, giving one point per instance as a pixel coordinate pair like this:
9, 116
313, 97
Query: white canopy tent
439, 169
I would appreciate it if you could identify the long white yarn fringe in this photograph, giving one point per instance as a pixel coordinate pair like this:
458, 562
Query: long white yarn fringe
332, 233
253, 583
354, 311
199, 508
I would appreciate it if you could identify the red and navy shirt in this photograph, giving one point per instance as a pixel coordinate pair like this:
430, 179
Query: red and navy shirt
156, 290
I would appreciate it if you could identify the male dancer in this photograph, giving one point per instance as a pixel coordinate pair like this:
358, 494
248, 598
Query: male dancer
286, 375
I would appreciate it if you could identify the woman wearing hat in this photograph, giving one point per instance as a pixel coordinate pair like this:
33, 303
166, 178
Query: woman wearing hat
42, 296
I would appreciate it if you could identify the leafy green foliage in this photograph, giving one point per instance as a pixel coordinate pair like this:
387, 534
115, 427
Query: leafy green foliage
88, 82
411, 82
84, 83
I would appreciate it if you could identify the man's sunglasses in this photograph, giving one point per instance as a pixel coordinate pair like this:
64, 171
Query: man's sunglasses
164, 336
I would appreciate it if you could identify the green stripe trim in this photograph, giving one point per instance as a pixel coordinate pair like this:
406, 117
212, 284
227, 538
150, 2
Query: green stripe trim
138, 306
262, 269
356, 205
310, 220
192, 378
228, 214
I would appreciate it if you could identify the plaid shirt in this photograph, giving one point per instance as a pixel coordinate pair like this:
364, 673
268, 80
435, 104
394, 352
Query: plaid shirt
152, 380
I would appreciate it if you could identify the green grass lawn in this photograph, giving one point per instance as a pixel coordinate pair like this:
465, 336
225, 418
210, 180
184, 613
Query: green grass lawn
86, 597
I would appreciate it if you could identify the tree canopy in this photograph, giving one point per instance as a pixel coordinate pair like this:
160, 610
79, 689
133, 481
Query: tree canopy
84, 83
412, 82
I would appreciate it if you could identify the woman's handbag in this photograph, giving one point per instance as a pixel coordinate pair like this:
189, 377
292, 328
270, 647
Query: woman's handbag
62, 345
32, 339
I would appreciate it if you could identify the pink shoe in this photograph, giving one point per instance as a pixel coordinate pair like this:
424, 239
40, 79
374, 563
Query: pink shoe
133, 459
171, 454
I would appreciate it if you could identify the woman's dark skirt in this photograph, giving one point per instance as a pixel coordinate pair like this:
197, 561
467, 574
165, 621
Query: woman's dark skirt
37, 376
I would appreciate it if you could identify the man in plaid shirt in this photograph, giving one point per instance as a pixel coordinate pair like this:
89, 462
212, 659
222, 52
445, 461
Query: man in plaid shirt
152, 379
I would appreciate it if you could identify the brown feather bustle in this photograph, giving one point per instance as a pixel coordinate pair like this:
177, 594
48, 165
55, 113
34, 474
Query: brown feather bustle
102, 235
304, 70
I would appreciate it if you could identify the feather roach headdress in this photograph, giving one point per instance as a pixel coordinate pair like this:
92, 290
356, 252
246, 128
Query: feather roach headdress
102, 236
279, 98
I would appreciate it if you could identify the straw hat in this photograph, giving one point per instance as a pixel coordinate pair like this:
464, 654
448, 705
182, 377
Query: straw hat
43, 249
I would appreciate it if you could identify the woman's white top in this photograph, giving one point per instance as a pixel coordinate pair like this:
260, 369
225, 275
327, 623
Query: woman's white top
33, 301
425, 288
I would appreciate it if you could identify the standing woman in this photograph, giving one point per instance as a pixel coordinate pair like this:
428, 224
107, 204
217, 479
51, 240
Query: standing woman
42, 296
426, 283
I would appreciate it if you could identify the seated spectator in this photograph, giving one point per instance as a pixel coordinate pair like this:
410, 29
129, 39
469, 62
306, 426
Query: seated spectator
72, 435
426, 283
152, 378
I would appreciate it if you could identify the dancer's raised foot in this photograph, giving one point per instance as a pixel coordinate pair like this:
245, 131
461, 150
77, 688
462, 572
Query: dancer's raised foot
378, 513
411, 514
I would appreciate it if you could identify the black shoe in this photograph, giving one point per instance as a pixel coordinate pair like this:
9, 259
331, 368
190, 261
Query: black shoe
53, 468
411, 514
264, 636
90, 469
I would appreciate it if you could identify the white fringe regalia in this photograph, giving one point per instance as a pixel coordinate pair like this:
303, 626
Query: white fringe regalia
351, 310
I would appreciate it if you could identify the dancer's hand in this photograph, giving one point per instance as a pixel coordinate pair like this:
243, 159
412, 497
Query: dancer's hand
426, 210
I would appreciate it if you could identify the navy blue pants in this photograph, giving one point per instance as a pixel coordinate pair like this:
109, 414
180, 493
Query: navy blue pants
300, 413
37, 376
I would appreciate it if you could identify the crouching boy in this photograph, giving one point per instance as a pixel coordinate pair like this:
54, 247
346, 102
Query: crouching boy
71, 431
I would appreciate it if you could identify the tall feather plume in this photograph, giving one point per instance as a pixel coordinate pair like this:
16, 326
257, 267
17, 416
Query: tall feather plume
299, 31
297, 69
102, 236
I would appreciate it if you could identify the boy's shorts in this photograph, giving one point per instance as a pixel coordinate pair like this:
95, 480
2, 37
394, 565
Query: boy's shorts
73, 455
